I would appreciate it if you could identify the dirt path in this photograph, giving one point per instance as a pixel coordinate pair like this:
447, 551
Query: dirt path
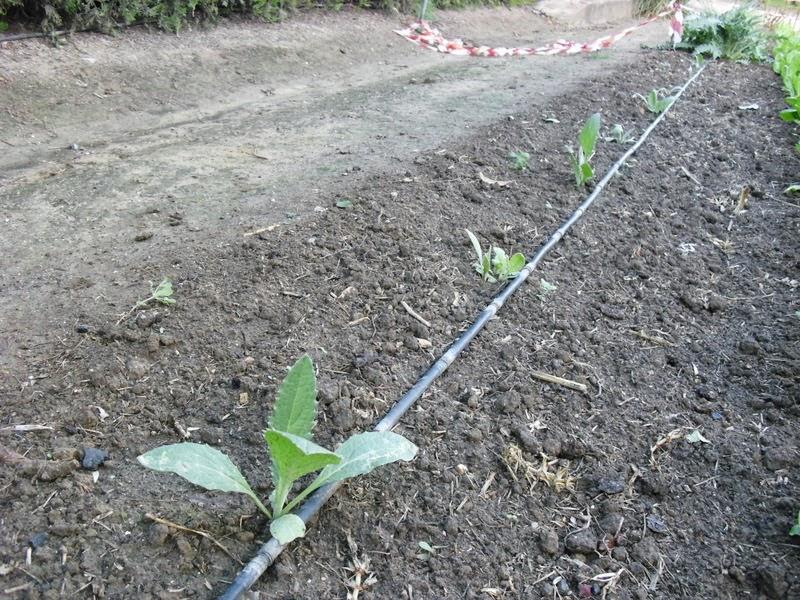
174, 140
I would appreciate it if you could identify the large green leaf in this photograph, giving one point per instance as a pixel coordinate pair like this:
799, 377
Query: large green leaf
287, 528
365, 452
201, 465
294, 456
589, 134
296, 404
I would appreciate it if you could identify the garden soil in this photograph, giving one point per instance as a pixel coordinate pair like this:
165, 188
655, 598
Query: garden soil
674, 302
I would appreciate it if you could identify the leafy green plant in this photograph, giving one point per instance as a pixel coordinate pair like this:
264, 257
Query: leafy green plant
619, 135
520, 160
657, 101
786, 53
293, 455
545, 288
737, 34
494, 264
162, 294
587, 141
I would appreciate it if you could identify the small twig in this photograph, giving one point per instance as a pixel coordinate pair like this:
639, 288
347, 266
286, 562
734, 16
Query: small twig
23, 428
357, 321
261, 230
208, 536
689, 175
415, 314
652, 338
567, 383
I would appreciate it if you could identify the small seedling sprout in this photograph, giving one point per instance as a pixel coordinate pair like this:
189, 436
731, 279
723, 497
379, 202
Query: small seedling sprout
494, 264
520, 160
657, 101
619, 135
587, 141
293, 455
162, 294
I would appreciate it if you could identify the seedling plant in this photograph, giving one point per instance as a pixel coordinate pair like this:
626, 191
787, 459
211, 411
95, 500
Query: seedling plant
619, 135
293, 455
162, 294
494, 264
520, 160
587, 141
657, 101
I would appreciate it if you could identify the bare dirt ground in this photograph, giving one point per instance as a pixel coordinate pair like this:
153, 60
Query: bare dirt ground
672, 474
172, 140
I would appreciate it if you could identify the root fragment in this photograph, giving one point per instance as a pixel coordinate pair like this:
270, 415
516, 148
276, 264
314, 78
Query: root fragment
560, 480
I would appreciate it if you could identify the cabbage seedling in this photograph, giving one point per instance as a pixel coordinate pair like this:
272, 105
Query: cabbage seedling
161, 294
293, 455
655, 103
587, 141
520, 160
618, 134
495, 264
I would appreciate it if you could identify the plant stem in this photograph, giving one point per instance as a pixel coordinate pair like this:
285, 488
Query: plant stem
302, 495
281, 492
261, 507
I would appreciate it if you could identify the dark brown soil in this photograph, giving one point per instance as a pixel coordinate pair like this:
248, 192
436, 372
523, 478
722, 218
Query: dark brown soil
678, 314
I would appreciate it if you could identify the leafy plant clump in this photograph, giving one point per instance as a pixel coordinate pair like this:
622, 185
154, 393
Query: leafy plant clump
657, 101
520, 160
737, 34
292, 454
587, 141
619, 135
494, 264
787, 64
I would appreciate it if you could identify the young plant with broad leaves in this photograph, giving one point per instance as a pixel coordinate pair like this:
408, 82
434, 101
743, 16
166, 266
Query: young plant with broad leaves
587, 141
494, 264
657, 101
520, 160
292, 453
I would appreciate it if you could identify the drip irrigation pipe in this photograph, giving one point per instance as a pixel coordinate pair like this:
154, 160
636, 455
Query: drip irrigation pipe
272, 548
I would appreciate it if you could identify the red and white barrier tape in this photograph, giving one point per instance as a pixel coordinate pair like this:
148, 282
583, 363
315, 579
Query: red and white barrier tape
423, 35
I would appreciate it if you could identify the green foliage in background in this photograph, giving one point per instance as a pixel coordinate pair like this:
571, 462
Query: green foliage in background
172, 15
737, 34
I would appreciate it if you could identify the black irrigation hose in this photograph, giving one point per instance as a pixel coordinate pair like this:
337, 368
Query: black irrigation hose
271, 549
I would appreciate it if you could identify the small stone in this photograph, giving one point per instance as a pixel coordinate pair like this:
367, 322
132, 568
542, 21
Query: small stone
157, 534
461, 469
411, 342
37, 540
451, 525
717, 304
547, 590
137, 367
779, 457
646, 551
143, 236
750, 346
82, 328
737, 575
772, 579
474, 435
548, 541
551, 446
562, 586
655, 524
93, 458
582, 542
584, 590
185, 547
211, 436
607, 485
619, 553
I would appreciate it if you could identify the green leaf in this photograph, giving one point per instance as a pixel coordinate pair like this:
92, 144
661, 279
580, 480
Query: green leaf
426, 547
586, 172
201, 465
344, 203
367, 451
295, 456
296, 404
795, 530
789, 115
516, 263
792, 189
287, 528
164, 292
695, 437
476, 245
588, 135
